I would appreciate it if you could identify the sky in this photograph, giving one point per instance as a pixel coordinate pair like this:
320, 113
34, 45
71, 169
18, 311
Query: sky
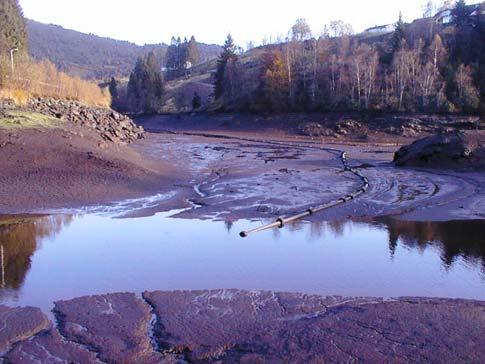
155, 21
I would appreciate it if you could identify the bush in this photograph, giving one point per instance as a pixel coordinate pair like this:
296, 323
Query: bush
42, 79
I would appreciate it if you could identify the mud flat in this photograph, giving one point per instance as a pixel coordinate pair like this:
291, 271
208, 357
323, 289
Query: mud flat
48, 163
226, 172
230, 175
248, 175
226, 326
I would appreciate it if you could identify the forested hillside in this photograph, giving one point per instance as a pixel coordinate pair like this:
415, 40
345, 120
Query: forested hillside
434, 64
93, 57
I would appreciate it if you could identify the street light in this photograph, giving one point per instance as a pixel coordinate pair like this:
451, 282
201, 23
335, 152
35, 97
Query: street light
12, 51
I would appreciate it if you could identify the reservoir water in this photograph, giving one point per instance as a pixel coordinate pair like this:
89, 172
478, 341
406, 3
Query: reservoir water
44, 259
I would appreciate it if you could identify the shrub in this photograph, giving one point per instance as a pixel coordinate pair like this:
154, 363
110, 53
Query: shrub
42, 79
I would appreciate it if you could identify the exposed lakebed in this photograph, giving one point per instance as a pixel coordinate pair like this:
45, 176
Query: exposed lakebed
48, 258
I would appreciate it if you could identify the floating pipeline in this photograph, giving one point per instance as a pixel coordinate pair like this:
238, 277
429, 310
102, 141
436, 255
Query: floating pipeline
282, 221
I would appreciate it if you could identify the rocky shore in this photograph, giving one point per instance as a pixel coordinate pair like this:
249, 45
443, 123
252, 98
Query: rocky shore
396, 126
111, 125
227, 326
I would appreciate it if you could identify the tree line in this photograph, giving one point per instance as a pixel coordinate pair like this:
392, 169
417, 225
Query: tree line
144, 92
181, 56
438, 70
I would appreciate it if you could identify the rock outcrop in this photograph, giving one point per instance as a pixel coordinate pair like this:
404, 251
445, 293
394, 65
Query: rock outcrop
315, 130
112, 126
342, 128
452, 149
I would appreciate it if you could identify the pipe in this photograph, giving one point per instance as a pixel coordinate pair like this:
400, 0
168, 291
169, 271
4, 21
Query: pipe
280, 222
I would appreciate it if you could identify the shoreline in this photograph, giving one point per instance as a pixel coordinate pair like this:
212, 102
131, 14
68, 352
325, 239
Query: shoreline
213, 325
194, 167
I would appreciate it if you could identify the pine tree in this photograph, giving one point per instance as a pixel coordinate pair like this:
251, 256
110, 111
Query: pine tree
193, 54
113, 88
461, 14
228, 54
13, 32
145, 88
179, 53
398, 36
196, 101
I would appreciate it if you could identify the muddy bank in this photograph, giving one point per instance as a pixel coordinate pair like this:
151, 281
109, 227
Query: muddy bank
340, 126
227, 326
64, 165
231, 172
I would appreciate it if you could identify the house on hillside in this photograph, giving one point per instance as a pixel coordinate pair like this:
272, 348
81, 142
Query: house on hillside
445, 16
381, 29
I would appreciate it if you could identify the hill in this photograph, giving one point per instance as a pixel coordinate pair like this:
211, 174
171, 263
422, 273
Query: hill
93, 57
430, 65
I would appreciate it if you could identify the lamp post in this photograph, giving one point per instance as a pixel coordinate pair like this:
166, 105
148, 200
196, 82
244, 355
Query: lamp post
12, 51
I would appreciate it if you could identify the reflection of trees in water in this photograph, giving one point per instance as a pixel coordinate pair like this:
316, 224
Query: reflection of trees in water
19, 238
319, 227
228, 224
453, 238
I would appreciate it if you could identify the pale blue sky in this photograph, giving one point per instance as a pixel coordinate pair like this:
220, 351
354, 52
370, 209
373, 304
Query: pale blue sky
152, 21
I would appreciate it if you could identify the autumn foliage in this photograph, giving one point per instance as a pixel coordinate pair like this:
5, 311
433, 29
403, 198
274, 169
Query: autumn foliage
42, 79
427, 68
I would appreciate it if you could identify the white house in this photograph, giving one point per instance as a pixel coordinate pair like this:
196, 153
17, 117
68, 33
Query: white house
381, 29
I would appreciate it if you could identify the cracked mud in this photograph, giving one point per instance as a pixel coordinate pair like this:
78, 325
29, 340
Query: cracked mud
226, 326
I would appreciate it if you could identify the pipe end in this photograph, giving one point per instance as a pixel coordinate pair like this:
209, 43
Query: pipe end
243, 234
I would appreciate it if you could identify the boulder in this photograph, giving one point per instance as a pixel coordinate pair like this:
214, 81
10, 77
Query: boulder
449, 150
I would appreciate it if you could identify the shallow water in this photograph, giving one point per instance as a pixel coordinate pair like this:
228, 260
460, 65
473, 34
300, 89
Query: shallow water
63, 256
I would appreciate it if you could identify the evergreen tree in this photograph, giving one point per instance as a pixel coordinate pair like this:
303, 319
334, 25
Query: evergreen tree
179, 53
196, 101
228, 55
13, 32
461, 14
463, 50
398, 36
113, 89
145, 88
193, 54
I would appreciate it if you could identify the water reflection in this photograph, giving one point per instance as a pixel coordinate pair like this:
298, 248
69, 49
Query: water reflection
19, 238
53, 257
453, 238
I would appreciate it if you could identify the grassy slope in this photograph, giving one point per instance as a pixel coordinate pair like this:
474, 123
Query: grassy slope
26, 119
